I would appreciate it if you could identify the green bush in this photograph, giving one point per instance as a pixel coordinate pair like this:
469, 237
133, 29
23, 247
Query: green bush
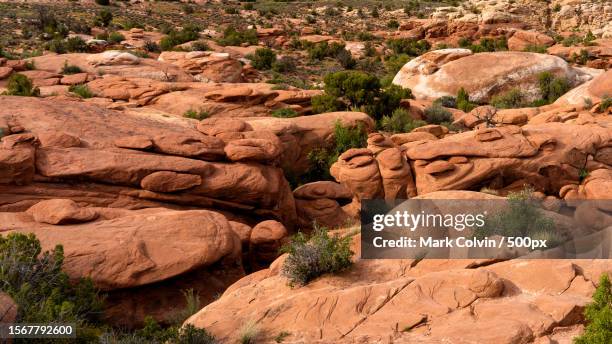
393, 24
263, 58
325, 103
57, 46
42, 291
522, 217
200, 46
174, 38
322, 50
116, 37
388, 100
153, 333
485, 44
400, 122
436, 114
552, 87
20, 85
510, 100
284, 113
235, 38
151, 46
447, 101
81, 90
534, 48
605, 104
598, 315
285, 64
463, 101
346, 137
358, 88
394, 63
76, 44
70, 69
408, 46
199, 115
103, 18
345, 59
311, 257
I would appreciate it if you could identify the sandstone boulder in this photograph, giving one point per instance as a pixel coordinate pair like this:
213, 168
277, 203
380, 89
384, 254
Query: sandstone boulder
60, 212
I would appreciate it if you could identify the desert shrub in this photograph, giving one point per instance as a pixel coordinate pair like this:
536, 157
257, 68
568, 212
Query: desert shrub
174, 38
248, 7
345, 59
231, 10
346, 137
200, 46
151, 46
103, 18
580, 58
512, 99
375, 13
552, 87
81, 90
248, 333
598, 315
325, 103
193, 114
233, 37
76, 44
311, 257
284, 64
103, 2
393, 24
42, 291
153, 333
521, 217
322, 50
115, 37
408, 46
357, 88
20, 85
571, 40
192, 306
436, 114
57, 46
394, 63
321, 158
463, 101
70, 69
263, 58
605, 104
400, 122
284, 113
485, 44
280, 337
447, 101
387, 101
534, 48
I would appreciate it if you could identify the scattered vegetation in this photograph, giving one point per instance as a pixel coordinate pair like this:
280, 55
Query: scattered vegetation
400, 122
408, 46
463, 101
521, 217
42, 291
510, 100
485, 44
116, 37
248, 333
552, 87
174, 37
70, 69
81, 90
605, 104
284, 113
231, 36
598, 315
311, 257
20, 85
199, 115
436, 114
263, 58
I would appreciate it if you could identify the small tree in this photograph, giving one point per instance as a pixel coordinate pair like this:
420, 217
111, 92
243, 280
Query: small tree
103, 18
357, 88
